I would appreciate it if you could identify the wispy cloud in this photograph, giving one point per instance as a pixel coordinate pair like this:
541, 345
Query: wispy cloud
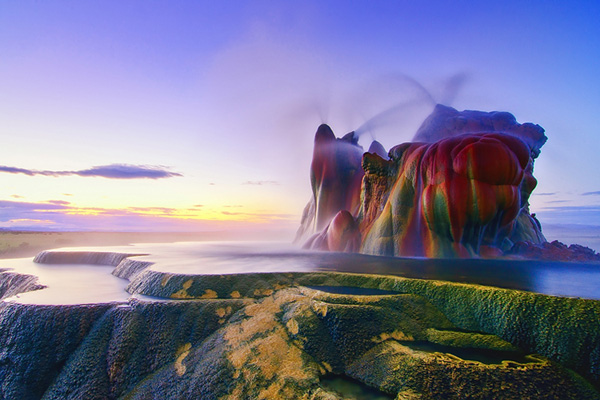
16, 196
591, 193
112, 171
260, 183
572, 208
59, 202
230, 213
544, 194
262, 215
22, 206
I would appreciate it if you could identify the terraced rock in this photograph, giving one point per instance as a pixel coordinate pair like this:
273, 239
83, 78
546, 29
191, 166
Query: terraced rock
288, 336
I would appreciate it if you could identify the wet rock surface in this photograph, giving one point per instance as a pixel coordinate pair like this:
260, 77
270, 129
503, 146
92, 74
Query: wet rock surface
460, 189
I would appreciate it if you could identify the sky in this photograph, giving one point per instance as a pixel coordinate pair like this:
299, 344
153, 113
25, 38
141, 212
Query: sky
200, 115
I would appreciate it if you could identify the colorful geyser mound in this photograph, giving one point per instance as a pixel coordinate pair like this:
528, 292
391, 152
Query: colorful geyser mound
461, 189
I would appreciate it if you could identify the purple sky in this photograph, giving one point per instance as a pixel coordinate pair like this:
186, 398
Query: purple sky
224, 98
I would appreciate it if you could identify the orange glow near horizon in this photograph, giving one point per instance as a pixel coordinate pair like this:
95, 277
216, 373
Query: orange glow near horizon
210, 214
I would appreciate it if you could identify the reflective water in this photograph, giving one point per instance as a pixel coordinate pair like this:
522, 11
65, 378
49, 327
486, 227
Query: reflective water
485, 356
70, 284
351, 389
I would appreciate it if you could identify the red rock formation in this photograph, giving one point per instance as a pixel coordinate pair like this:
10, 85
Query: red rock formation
462, 191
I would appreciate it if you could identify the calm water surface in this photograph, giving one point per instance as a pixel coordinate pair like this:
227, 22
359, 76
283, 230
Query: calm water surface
72, 284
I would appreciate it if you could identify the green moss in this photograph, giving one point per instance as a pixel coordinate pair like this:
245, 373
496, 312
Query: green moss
566, 330
181, 286
468, 340
276, 346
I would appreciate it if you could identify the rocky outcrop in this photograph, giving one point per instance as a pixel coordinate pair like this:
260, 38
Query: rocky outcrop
335, 178
286, 335
554, 251
12, 283
461, 189
37, 342
276, 346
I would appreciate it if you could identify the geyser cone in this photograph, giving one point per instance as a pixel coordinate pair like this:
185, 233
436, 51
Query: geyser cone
336, 175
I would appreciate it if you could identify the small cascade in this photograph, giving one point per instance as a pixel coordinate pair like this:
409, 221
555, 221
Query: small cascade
82, 257
128, 268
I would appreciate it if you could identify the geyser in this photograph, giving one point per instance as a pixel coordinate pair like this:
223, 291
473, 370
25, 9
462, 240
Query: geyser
460, 189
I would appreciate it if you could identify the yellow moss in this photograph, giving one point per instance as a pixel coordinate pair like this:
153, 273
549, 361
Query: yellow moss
245, 330
236, 393
209, 294
327, 366
235, 294
183, 294
165, 279
396, 335
278, 286
263, 292
320, 308
292, 326
182, 353
272, 392
260, 347
408, 394
223, 311
239, 356
276, 357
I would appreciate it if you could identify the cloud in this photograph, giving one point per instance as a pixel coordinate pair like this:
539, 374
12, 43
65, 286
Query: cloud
59, 202
544, 194
260, 183
572, 208
591, 193
16, 196
112, 171
25, 206
263, 215
167, 210
556, 214
125, 171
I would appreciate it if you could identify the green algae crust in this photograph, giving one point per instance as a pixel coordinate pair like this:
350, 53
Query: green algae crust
276, 335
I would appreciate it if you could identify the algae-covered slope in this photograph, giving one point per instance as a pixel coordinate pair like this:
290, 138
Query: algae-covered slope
282, 336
